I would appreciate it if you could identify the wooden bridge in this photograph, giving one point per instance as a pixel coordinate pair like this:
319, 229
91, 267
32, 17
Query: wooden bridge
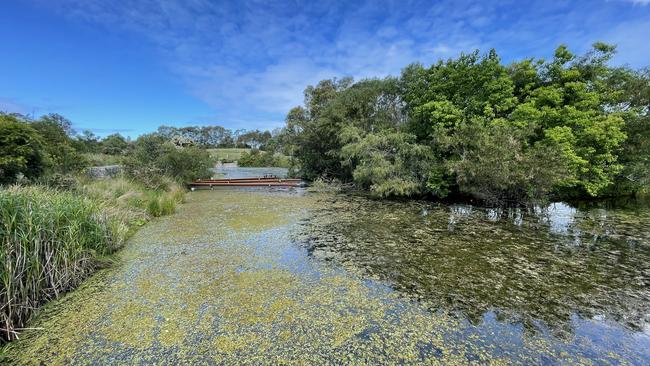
265, 181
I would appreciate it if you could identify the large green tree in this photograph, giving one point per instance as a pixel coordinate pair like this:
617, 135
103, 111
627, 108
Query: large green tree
572, 126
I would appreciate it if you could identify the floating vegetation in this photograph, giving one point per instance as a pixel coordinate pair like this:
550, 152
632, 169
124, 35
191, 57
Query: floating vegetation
212, 285
539, 268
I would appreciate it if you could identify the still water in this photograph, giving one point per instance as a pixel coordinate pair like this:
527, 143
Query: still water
576, 275
289, 276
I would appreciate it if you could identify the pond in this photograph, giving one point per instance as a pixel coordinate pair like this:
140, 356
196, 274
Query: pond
575, 275
239, 172
288, 276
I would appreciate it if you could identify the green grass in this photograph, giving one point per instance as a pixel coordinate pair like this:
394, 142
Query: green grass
134, 197
49, 242
227, 155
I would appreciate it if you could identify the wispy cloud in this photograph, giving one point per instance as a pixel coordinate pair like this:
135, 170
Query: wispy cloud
14, 105
639, 2
250, 60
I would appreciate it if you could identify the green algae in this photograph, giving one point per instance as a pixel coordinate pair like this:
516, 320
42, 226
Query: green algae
221, 282
528, 266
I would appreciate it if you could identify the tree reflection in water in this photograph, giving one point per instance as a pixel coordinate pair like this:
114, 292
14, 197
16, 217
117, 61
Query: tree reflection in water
539, 267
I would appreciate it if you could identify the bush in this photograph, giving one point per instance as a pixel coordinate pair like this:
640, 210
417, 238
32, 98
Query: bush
114, 144
20, 150
153, 157
257, 158
49, 242
58, 148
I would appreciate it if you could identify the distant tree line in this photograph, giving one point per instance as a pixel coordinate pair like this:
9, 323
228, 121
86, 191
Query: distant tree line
38, 149
569, 127
218, 137
47, 149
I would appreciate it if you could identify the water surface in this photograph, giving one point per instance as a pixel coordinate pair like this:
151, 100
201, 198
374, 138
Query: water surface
577, 276
253, 276
239, 172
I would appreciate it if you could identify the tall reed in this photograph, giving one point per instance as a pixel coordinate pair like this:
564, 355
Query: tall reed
49, 242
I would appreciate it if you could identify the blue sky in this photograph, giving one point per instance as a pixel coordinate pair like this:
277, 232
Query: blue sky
129, 66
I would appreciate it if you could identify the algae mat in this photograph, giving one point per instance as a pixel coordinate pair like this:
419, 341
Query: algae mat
225, 281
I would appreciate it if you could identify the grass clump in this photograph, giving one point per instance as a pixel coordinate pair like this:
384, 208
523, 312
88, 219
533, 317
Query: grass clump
49, 242
143, 202
52, 239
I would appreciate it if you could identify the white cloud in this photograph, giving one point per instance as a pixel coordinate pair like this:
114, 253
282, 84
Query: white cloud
254, 58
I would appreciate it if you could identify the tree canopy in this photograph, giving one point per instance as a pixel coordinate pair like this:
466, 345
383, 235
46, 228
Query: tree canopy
571, 126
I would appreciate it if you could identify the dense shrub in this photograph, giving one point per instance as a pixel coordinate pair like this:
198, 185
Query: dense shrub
114, 144
58, 147
152, 157
20, 150
257, 158
37, 148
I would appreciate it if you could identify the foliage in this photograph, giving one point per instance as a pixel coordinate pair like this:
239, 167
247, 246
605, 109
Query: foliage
114, 144
20, 150
49, 242
87, 142
257, 158
572, 126
388, 163
153, 157
497, 167
630, 94
58, 147
33, 148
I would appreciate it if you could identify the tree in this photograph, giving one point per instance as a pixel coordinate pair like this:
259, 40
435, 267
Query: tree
572, 126
20, 150
87, 142
114, 144
387, 163
60, 154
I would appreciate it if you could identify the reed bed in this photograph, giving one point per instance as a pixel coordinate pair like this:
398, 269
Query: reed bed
49, 242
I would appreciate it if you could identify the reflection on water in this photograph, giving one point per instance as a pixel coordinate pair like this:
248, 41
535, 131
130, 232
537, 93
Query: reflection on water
223, 282
565, 269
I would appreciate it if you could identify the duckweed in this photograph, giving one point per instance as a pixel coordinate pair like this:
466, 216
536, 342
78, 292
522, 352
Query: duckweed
223, 281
